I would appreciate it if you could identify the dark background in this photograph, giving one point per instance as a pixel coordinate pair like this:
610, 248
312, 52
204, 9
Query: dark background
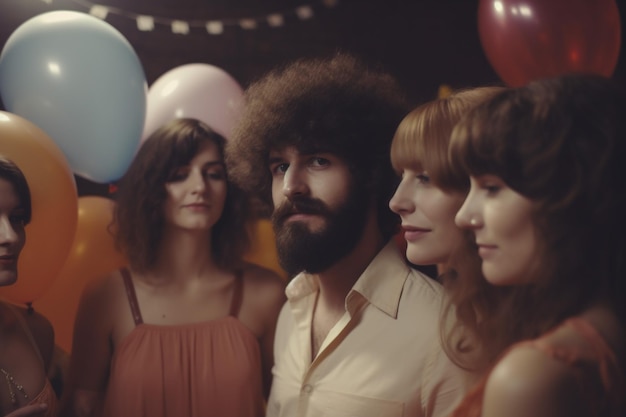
424, 43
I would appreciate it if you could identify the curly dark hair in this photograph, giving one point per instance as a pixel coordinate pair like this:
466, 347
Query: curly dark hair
561, 143
139, 218
13, 174
337, 105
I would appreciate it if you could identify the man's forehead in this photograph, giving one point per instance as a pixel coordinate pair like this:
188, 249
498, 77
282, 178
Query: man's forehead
297, 150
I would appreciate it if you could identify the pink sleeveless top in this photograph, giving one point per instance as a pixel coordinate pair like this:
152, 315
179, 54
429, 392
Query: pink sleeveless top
601, 380
199, 369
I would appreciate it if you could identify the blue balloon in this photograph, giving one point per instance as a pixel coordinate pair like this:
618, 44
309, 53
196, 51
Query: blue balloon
80, 81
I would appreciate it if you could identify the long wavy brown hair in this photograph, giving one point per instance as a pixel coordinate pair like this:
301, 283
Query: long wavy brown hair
561, 143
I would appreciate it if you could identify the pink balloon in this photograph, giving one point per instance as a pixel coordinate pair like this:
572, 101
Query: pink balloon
199, 91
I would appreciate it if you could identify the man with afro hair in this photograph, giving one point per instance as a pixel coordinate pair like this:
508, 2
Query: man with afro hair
358, 335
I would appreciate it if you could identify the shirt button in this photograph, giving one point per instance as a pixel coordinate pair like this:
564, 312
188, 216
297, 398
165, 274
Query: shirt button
307, 389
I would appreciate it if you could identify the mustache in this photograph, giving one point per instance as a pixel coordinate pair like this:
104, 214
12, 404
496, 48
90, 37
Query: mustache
301, 205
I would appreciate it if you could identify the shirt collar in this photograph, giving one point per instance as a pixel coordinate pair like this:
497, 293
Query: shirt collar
382, 281
380, 284
300, 286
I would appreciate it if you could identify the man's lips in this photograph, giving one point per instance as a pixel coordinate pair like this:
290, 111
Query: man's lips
299, 215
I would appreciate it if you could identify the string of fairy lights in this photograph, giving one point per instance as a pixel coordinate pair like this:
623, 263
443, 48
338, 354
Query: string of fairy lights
147, 22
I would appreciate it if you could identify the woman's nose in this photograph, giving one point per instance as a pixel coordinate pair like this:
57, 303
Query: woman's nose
402, 200
8, 234
467, 217
198, 182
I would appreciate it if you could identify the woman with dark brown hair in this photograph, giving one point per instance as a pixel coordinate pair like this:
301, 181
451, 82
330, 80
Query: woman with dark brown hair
187, 329
547, 206
26, 338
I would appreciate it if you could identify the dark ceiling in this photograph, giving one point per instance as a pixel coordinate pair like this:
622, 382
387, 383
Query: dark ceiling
425, 43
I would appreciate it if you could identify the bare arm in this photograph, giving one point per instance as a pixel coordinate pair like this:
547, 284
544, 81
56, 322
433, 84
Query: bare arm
271, 300
91, 353
527, 383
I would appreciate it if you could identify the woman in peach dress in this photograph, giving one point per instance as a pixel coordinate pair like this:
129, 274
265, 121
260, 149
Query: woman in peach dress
187, 329
547, 207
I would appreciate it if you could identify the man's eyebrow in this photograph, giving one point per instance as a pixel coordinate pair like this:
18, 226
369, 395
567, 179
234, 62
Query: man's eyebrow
274, 159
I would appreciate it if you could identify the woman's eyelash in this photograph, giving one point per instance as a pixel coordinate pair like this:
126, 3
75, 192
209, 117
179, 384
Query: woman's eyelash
491, 188
423, 177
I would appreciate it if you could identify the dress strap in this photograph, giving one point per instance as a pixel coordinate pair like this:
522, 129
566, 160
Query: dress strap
26, 328
235, 303
132, 297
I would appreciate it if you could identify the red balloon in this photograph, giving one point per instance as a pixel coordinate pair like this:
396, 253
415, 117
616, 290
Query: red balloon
263, 249
526, 40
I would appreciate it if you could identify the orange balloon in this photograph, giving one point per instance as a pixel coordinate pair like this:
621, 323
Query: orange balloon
54, 206
263, 249
92, 255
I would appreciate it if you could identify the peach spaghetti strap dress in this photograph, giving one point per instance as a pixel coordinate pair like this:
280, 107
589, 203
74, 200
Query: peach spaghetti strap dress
601, 381
201, 369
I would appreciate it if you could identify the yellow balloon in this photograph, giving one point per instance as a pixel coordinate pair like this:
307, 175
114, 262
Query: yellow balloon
263, 249
54, 206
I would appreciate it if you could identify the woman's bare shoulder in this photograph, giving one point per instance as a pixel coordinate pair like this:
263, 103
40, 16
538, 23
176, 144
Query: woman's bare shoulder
261, 277
39, 327
529, 382
102, 294
37, 322
266, 286
104, 286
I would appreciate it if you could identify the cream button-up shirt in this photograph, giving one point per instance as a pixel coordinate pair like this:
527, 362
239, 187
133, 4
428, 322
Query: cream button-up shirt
382, 358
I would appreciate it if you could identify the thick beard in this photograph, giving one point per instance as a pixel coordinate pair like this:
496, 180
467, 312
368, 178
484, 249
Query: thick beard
300, 250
